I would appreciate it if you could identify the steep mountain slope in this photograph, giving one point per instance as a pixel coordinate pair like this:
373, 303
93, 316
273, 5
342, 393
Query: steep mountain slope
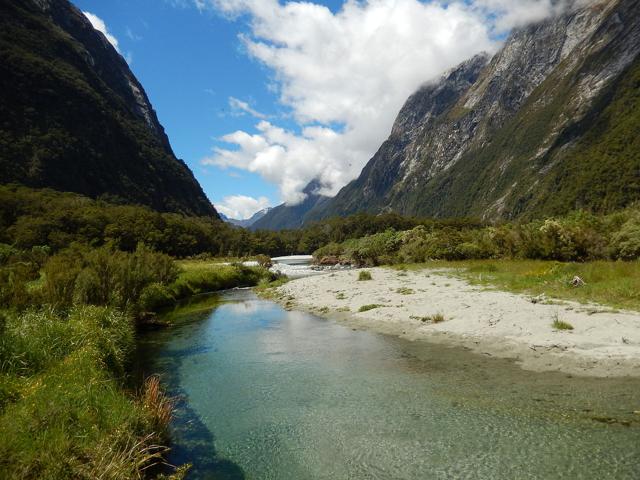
73, 117
292, 216
548, 125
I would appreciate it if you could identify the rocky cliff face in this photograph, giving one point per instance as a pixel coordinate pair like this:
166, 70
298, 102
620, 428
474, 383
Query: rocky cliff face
75, 118
543, 127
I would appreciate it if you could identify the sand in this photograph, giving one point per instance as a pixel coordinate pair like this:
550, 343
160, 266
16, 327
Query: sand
603, 343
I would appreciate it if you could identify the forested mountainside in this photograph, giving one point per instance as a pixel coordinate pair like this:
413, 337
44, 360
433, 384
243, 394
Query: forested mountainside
73, 117
548, 125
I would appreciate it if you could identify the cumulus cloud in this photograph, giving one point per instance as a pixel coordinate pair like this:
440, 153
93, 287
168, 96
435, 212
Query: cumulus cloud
241, 207
100, 26
345, 75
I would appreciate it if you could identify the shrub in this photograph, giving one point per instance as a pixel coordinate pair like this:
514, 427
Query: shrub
264, 261
155, 297
364, 275
104, 276
625, 244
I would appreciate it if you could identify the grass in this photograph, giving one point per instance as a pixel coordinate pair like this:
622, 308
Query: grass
366, 308
560, 324
341, 296
616, 284
66, 407
73, 418
266, 288
364, 275
435, 318
405, 291
198, 277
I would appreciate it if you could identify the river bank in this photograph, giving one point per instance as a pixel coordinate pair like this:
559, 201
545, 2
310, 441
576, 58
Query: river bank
602, 342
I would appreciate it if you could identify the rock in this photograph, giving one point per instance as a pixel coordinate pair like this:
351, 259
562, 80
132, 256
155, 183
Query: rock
577, 282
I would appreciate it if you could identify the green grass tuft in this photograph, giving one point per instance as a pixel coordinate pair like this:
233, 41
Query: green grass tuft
561, 325
405, 291
364, 275
366, 308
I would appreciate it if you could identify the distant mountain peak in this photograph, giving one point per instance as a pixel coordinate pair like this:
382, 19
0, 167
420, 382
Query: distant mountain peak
248, 222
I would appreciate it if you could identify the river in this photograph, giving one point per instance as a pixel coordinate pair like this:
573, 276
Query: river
267, 393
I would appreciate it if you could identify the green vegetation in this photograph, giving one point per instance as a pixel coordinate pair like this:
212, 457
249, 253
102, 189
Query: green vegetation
67, 330
63, 410
266, 288
435, 318
364, 275
405, 291
561, 325
75, 123
577, 237
32, 218
616, 284
366, 308
78, 276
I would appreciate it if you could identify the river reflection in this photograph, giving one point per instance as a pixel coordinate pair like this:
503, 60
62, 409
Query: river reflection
271, 394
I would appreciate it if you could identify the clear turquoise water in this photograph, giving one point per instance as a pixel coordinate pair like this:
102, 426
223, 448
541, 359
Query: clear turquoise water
271, 394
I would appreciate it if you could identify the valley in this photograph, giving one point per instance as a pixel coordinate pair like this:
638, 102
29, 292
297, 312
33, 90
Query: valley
288, 302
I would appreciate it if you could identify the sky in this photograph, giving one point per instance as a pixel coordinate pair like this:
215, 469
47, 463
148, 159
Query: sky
260, 97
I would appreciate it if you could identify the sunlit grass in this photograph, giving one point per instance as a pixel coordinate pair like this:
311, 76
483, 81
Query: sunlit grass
366, 308
616, 284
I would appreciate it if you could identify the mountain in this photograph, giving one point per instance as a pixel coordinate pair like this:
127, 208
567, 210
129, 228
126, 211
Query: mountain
292, 216
548, 125
74, 118
248, 222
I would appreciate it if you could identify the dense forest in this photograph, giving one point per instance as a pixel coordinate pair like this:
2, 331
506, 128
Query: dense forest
34, 218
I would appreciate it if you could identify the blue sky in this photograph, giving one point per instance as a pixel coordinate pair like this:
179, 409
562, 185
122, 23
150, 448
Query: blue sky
299, 90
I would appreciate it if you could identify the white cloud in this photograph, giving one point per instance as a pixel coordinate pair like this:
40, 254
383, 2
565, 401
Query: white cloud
241, 207
100, 26
238, 107
353, 68
516, 13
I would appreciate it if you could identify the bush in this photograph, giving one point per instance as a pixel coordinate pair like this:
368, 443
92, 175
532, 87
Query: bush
364, 275
105, 276
579, 236
264, 261
625, 244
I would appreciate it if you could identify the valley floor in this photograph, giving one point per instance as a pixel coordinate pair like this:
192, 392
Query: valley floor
603, 342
